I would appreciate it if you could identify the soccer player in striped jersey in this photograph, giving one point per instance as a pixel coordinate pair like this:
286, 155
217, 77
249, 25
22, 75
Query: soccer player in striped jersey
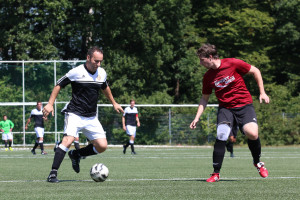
225, 77
80, 115
38, 118
130, 120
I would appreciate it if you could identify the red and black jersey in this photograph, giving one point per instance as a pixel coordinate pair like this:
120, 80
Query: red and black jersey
228, 83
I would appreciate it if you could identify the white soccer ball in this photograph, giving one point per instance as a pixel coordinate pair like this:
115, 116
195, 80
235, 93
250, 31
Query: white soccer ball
99, 172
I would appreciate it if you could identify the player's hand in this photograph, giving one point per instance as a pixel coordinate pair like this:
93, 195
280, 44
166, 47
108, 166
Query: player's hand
47, 110
118, 108
138, 124
264, 97
193, 124
26, 127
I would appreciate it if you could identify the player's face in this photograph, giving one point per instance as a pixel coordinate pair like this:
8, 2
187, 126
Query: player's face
95, 61
206, 62
4, 117
132, 103
39, 106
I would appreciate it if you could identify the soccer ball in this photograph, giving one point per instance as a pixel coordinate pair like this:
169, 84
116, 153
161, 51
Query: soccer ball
99, 172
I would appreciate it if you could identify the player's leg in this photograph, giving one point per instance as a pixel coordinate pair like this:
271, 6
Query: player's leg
93, 130
40, 132
131, 131
10, 142
76, 143
71, 127
250, 129
225, 120
36, 144
131, 141
59, 156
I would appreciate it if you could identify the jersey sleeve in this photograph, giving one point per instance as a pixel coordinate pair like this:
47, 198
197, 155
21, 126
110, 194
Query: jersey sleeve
12, 125
242, 67
206, 88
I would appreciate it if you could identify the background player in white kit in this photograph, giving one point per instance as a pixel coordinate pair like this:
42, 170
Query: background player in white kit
38, 117
130, 120
80, 114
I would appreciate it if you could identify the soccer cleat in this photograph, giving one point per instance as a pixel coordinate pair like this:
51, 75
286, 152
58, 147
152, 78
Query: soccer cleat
231, 155
215, 177
6, 149
11, 149
124, 149
75, 161
52, 178
44, 153
133, 153
263, 172
33, 151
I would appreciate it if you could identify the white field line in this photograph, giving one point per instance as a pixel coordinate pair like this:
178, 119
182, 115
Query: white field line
170, 179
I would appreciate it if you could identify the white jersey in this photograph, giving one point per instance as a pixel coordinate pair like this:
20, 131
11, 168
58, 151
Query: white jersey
85, 89
130, 115
37, 115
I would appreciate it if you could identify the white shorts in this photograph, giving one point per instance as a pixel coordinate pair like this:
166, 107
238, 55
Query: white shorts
39, 131
90, 126
131, 130
7, 136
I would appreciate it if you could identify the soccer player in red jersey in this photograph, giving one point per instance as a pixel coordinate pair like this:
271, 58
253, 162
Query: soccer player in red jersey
225, 76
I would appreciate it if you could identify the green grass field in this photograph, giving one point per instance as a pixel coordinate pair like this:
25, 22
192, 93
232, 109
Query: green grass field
154, 173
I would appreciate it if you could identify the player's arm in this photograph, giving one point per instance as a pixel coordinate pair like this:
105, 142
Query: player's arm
49, 107
258, 78
12, 125
201, 108
137, 120
107, 92
123, 122
28, 121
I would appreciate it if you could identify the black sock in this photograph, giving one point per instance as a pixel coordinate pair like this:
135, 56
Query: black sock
58, 158
5, 142
229, 146
76, 144
132, 147
9, 143
255, 148
218, 155
85, 151
41, 145
36, 144
126, 145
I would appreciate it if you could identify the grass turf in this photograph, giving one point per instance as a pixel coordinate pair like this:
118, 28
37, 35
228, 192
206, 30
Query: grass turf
154, 173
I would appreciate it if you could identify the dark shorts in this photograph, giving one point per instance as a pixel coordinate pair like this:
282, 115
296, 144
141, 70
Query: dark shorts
236, 117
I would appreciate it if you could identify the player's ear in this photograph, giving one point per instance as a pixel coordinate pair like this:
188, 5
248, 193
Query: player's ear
88, 57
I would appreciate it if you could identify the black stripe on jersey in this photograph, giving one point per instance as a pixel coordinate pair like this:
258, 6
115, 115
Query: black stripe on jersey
130, 119
63, 81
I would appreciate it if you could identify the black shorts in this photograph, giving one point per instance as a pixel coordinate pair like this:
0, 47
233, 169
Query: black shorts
236, 117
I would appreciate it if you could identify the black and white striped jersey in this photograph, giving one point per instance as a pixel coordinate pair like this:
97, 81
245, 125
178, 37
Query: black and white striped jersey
130, 115
85, 89
37, 115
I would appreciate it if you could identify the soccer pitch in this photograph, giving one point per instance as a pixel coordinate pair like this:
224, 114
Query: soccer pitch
154, 173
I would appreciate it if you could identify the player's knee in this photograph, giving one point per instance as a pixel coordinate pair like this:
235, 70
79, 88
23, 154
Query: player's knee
223, 131
100, 145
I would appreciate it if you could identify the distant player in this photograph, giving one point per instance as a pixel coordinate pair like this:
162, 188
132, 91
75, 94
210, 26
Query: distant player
6, 127
38, 118
87, 80
130, 120
225, 77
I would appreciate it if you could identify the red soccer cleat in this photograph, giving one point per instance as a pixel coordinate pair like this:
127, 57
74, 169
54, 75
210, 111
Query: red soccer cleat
263, 172
215, 177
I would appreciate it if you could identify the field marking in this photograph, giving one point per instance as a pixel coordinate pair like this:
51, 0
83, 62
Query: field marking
162, 179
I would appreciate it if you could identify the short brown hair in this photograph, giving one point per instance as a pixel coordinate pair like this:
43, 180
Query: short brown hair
206, 50
131, 100
92, 50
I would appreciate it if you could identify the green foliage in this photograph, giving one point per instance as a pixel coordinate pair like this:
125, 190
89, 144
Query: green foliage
149, 52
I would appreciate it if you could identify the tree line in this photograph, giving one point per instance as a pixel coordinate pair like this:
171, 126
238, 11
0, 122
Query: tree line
149, 49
